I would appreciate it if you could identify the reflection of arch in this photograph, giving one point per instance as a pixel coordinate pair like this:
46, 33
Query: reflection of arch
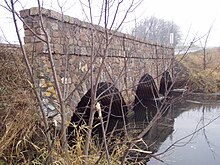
165, 82
111, 102
145, 110
146, 101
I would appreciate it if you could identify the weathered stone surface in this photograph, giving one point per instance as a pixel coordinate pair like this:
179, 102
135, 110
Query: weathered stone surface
73, 42
55, 40
55, 15
25, 13
58, 48
66, 18
39, 47
54, 25
27, 39
56, 34
71, 49
34, 11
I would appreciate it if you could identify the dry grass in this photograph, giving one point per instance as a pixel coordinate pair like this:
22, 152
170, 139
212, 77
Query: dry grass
22, 139
206, 81
194, 60
17, 113
96, 154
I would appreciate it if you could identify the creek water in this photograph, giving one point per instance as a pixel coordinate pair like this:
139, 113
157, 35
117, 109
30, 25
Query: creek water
200, 125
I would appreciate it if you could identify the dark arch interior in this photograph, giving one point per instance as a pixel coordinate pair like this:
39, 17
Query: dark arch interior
147, 100
112, 103
146, 89
165, 83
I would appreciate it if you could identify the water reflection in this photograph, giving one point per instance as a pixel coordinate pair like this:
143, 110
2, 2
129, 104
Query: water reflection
202, 147
145, 113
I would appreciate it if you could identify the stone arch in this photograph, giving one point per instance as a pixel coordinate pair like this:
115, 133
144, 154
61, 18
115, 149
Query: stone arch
147, 89
113, 107
146, 100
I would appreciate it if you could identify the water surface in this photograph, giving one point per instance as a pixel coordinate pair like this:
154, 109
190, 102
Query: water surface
202, 147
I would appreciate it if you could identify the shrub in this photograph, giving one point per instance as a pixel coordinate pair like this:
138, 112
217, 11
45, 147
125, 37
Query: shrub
206, 81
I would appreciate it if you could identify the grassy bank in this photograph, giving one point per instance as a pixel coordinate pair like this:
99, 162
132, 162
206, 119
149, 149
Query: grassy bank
203, 80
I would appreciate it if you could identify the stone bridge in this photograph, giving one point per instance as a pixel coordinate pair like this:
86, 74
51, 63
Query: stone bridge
80, 48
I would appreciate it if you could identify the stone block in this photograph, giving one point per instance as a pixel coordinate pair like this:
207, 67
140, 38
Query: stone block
56, 34
77, 50
27, 39
55, 15
39, 31
39, 47
24, 13
71, 41
77, 21
35, 11
28, 47
71, 61
28, 32
83, 51
71, 49
83, 37
66, 18
71, 20
58, 48
63, 41
54, 25
89, 50
79, 43
55, 40
31, 22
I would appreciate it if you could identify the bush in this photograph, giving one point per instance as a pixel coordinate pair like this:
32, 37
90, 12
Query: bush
206, 81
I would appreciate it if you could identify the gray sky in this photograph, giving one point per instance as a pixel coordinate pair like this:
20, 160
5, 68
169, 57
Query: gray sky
195, 17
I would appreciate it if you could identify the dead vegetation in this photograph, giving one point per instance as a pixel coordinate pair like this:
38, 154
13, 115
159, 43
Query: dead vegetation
17, 112
195, 60
22, 137
204, 81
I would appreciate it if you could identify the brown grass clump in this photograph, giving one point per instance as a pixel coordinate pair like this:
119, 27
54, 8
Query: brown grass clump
206, 81
17, 112
97, 155
195, 60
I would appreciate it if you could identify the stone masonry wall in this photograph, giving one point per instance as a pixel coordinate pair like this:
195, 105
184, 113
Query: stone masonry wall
73, 42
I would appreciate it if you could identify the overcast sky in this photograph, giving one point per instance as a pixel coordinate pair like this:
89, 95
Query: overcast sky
193, 16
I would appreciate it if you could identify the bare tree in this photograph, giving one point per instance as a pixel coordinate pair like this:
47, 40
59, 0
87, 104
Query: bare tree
157, 30
63, 93
99, 62
107, 7
204, 48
